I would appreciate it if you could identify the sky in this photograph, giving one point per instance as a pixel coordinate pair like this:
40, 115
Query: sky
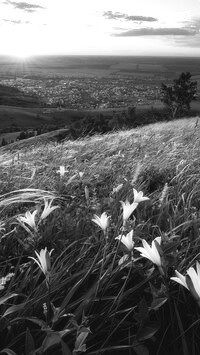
100, 27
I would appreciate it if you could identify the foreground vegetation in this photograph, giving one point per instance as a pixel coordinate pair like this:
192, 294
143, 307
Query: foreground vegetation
72, 282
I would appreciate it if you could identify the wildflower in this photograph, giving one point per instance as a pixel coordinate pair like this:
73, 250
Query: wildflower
117, 189
191, 281
45, 310
180, 279
81, 174
102, 221
164, 193
5, 279
127, 240
29, 219
47, 209
136, 174
151, 252
128, 209
138, 196
44, 261
87, 194
62, 171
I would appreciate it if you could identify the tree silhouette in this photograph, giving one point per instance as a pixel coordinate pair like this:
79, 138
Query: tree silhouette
179, 96
3, 142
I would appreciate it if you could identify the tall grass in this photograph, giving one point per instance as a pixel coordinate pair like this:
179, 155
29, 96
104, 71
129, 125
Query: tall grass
98, 297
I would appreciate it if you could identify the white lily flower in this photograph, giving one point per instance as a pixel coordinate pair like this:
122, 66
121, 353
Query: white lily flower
102, 221
151, 252
191, 281
127, 240
29, 219
128, 209
62, 171
138, 196
180, 279
47, 209
43, 261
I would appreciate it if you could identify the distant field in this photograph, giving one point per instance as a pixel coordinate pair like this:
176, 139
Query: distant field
19, 116
96, 65
32, 117
136, 67
35, 117
9, 136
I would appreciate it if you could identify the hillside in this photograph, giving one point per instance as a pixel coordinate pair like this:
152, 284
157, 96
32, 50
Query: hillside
79, 280
43, 139
112, 158
12, 96
14, 116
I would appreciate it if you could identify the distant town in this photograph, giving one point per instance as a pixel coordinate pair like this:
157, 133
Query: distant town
89, 92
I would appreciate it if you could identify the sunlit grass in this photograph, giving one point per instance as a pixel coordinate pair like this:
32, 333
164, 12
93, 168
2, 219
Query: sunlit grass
101, 279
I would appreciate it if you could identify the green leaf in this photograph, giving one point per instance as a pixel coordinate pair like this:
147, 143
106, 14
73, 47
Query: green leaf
158, 302
141, 349
80, 340
65, 349
15, 308
147, 331
8, 352
51, 339
62, 333
143, 311
5, 298
183, 339
3, 323
29, 344
34, 320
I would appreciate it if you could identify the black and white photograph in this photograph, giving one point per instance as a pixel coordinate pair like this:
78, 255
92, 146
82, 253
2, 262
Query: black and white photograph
100, 177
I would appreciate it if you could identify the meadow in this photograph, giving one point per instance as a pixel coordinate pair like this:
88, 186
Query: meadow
74, 276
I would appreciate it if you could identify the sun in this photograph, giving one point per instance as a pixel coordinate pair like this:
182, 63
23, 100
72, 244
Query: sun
22, 54
19, 52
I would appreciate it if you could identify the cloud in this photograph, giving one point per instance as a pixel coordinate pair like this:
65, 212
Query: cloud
16, 22
22, 5
118, 15
192, 23
157, 32
195, 22
188, 41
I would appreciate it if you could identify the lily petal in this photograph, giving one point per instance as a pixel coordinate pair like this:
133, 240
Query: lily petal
180, 279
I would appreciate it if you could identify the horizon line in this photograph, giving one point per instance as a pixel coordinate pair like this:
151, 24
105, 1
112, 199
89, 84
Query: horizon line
100, 55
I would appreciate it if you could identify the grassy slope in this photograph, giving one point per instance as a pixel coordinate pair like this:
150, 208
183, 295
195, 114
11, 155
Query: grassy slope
145, 158
43, 139
110, 159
